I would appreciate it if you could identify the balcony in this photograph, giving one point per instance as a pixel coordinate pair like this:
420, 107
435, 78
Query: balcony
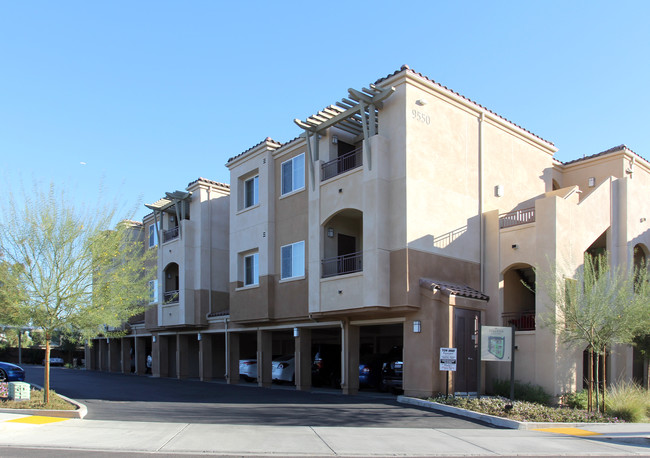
341, 265
171, 297
522, 321
170, 234
517, 217
341, 164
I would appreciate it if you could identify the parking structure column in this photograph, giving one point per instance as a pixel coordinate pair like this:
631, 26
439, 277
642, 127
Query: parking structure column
264, 358
303, 359
114, 355
140, 355
350, 355
232, 350
205, 358
127, 354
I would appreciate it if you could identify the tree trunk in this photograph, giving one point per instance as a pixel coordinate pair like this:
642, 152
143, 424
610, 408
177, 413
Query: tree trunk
597, 381
604, 376
46, 395
590, 379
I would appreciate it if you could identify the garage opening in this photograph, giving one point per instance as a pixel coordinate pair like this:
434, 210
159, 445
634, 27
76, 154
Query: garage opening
381, 360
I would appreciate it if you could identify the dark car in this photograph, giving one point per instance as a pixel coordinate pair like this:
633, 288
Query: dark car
392, 370
11, 373
370, 367
326, 368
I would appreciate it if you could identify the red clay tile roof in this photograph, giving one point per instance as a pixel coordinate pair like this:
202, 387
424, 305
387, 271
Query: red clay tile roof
453, 288
267, 139
221, 313
606, 152
205, 180
410, 70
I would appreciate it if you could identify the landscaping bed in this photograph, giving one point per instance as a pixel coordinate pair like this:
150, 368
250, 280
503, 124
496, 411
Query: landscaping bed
525, 411
36, 400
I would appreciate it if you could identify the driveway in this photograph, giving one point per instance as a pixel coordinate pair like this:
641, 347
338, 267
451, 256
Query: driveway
112, 396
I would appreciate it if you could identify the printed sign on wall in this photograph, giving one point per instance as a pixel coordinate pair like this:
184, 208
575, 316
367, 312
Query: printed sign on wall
496, 343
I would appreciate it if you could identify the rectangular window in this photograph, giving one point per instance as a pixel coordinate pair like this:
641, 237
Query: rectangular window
153, 236
293, 174
293, 260
251, 269
251, 192
153, 291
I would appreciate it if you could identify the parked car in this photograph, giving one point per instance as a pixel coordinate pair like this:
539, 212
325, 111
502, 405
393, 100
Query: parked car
284, 369
392, 370
55, 362
248, 369
326, 368
370, 367
11, 373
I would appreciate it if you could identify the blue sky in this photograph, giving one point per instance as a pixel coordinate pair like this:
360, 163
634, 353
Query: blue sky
152, 95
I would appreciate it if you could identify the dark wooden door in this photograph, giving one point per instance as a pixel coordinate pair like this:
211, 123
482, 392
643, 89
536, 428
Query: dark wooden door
466, 323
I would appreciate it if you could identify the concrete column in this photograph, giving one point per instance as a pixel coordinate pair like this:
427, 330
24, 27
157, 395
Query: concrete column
159, 363
205, 358
114, 355
127, 347
303, 359
264, 358
140, 355
182, 350
101, 354
232, 350
91, 360
350, 359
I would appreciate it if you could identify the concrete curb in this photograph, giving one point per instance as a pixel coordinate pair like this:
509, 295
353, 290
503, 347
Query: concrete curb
489, 419
79, 413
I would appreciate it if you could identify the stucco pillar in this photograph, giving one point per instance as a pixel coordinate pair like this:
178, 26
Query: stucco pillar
303, 359
232, 350
350, 362
127, 354
140, 355
205, 358
264, 358
114, 355
182, 353
158, 350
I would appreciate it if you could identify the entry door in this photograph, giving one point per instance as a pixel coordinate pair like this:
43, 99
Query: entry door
466, 324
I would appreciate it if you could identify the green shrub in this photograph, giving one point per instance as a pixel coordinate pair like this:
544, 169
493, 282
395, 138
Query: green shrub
523, 392
576, 400
629, 402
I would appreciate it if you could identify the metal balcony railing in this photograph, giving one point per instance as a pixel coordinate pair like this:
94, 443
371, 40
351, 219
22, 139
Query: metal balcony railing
340, 265
522, 321
170, 234
171, 297
517, 217
341, 164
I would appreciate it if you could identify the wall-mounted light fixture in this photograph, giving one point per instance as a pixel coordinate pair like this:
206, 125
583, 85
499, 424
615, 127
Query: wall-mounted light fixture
296, 332
108, 340
592, 182
642, 220
335, 139
198, 337
330, 232
515, 246
498, 190
421, 102
417, 326
154, 339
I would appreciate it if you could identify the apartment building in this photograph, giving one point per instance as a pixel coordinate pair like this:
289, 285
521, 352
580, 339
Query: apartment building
189, 231
401, 219
405, 216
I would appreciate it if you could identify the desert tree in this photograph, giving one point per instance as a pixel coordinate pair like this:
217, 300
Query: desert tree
596, 308
83, 270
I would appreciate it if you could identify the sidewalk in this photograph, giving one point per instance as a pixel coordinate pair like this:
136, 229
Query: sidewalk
92, 435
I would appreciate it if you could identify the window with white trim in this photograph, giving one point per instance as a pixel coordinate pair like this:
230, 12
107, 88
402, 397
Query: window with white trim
292, 260
153, 291
293, 174
153, 236
251, 269
251, 191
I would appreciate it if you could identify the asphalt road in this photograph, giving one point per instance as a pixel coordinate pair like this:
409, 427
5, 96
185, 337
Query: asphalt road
111, 396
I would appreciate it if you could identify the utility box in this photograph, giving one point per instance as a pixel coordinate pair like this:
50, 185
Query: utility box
19, 391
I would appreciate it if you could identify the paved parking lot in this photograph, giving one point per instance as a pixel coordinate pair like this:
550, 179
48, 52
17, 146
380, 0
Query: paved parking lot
111, 396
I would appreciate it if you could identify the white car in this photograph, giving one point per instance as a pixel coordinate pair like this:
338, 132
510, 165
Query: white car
248, 369
284, 369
